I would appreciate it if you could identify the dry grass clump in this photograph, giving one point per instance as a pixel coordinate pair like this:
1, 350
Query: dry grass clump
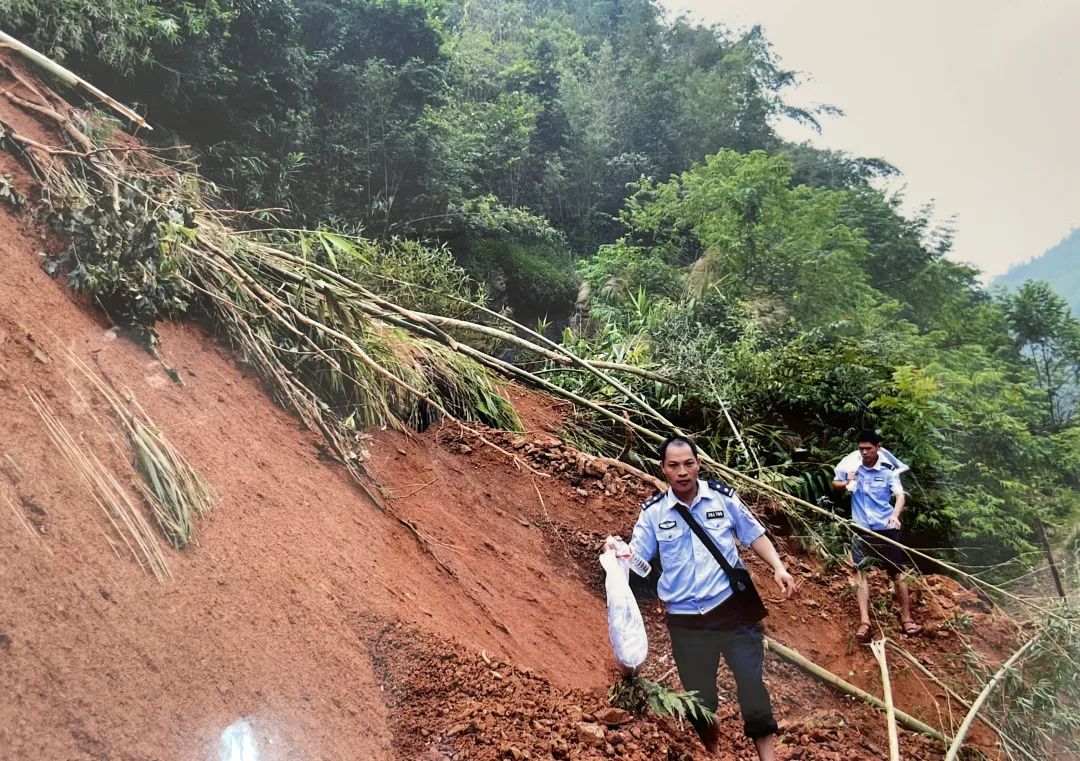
178, 496
124, 515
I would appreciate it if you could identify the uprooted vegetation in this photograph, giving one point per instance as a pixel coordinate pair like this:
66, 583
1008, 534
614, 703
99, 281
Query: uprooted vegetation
347, 345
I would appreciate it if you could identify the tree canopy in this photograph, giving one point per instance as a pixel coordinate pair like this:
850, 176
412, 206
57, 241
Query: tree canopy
615, 172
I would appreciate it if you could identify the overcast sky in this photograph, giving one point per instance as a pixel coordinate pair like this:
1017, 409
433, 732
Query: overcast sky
977, 102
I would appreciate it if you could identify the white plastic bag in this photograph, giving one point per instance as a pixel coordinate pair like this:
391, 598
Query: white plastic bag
625, 625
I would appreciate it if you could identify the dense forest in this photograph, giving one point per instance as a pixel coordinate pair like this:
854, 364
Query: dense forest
615, 176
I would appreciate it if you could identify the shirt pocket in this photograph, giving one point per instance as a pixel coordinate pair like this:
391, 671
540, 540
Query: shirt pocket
721, 531
878, 486
674, 545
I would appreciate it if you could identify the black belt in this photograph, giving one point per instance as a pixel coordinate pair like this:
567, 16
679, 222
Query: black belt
725, 616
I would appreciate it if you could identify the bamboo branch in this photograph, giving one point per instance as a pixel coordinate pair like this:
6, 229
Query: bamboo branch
877, 647
830, 678
965, 726
70, 78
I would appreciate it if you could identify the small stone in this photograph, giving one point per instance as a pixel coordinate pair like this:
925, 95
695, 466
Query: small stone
613, 717
590, 734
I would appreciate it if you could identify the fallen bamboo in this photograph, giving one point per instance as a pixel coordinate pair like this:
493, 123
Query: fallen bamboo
828, 677
877, 647
123, 515
1041, 531
964, 702
70, 78
552, 356
560, 354
965, 725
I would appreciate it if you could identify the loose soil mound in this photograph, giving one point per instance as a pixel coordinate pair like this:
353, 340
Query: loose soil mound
308, 610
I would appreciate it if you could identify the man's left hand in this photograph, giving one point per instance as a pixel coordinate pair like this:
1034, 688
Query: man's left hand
785, 582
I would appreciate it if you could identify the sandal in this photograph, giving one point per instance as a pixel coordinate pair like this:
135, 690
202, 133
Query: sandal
862, 634
910, 628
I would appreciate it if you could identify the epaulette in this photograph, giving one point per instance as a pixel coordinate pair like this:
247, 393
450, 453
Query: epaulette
888, 465
720, 486
653, 500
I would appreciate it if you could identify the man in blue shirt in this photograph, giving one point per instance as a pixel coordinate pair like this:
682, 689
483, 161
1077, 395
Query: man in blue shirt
703, 620
873, 484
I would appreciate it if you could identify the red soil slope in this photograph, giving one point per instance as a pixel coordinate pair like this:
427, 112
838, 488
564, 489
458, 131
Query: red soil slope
308, 610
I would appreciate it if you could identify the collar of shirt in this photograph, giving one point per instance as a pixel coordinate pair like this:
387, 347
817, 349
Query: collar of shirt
703, 493
876, 466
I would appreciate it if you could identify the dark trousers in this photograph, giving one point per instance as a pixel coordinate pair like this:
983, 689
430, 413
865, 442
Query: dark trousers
697, 655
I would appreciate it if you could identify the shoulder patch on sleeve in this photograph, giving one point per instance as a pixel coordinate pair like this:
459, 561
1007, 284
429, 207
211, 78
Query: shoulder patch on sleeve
653, 500
888, 465
721, 487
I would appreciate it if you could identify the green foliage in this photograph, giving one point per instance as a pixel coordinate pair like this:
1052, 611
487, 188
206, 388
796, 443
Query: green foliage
9, 195
1055, 266
128, 259
1041, 700
525, 265
121, 33
638, 695
794, 316
1048, 337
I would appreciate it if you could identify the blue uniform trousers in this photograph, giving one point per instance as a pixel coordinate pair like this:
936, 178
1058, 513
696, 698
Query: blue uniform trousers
697, 654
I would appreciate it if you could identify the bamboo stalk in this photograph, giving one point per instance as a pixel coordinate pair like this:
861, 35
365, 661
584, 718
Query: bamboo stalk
965, 725
877, 647
70, 78
1041, 531
964, 702
792, 656
929, 674
551, 356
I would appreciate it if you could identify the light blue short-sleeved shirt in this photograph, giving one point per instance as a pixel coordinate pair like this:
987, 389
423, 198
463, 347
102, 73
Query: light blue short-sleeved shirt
692, 581
871, 503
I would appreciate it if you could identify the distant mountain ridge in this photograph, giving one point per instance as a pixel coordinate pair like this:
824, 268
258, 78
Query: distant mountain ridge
1059, 266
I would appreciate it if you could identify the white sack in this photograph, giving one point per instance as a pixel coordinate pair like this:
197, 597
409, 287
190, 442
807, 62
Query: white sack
853, 460
625, 625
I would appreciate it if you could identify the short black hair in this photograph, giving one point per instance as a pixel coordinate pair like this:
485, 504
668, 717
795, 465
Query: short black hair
869, 436
662, 450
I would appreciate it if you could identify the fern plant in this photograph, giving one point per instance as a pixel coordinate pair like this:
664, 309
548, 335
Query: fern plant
638, 695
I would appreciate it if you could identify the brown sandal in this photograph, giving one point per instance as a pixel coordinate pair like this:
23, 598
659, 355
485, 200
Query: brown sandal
863, 634
910, 628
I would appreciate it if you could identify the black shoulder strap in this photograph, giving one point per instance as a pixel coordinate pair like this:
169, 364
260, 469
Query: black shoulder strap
721, 487
653, 500
681, 509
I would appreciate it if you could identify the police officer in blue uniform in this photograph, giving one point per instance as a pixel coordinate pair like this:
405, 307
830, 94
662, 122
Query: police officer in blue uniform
703, 620
873, 486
